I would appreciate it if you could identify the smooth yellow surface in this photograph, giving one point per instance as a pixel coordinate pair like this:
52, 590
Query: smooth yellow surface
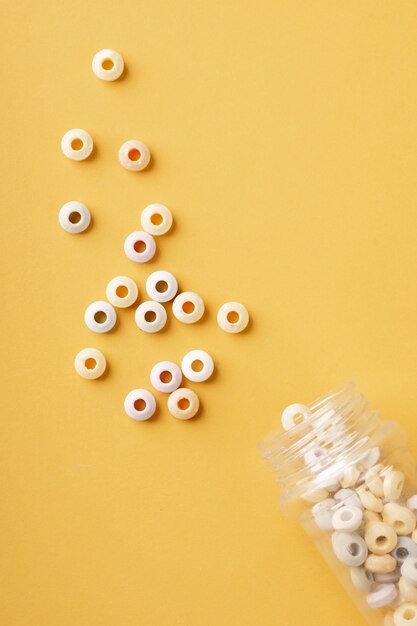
283, 136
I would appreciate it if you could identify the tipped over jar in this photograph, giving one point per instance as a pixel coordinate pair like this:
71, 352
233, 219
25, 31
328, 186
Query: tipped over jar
350, 479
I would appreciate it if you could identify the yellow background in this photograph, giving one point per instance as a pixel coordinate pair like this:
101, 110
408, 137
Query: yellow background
284, 140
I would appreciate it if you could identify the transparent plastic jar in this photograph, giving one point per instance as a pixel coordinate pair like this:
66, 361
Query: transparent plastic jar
338, 443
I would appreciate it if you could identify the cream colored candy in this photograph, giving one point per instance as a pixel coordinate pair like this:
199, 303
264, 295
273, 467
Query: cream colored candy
188, 307
386, 578
134, 155
183, 403
350, 477
407, 590
108, 65
371, 516
380, 564
409, 570
350, 548
315, 495
406, 615
380, 538
373, 481
77, 144
122, 291
90, 363
393, 485
233, 317
369, 501
414, 535
294, 415
362, 579
156, 219
399, 517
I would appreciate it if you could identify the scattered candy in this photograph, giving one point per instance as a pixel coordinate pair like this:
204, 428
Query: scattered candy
77, 144
151, 316
188, 307
140, 247
100, 317
156, 219
122, 292
166, 376
161, 286
197, 366
233, 317
90, 363
108, 65
134, 155
183, 403
140, 404
74, 217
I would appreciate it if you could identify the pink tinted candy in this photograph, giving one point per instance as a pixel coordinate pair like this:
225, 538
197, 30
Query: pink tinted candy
140, 247
383, 595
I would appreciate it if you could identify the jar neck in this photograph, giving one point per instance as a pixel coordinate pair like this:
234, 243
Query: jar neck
342, 426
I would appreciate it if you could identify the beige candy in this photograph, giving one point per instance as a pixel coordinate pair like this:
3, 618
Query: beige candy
369, 501
315, 495
393, 485
350, 477
406, 615
373, 480
400, 518
380, 564
380, 538
407, 590
371, 516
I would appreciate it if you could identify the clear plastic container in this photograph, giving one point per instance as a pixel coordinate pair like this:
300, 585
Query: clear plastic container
349, 478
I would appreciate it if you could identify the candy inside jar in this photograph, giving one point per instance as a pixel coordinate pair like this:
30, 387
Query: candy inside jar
350, 479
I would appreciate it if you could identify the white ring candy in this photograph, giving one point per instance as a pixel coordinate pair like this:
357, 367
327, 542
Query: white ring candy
188, 307
108, 65
132, 149
140, 404
152, 212
90, 363
350, 548
292, 411
347, 518
74, 217
173, 380
140, 239
233, 317
148, 310
122, 292
93, 312
161, 277
74, 138
190, 359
